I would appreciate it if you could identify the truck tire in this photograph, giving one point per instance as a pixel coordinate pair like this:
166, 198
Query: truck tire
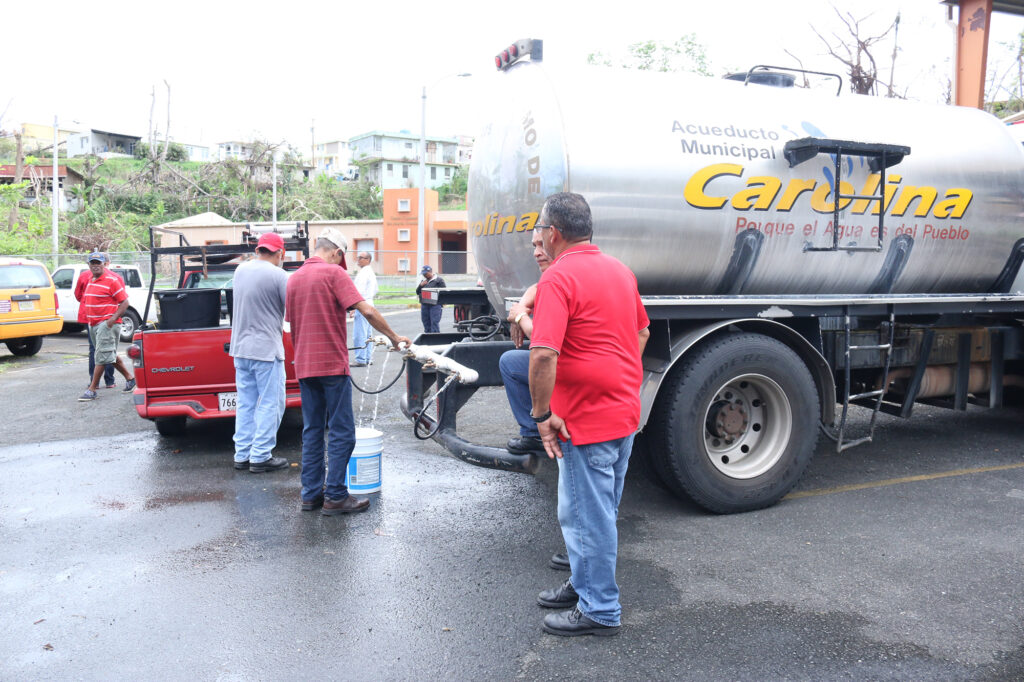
25, 347
171, 426
130, 323
737, 423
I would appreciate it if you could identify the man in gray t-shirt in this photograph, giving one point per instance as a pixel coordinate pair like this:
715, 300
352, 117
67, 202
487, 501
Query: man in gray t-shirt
257, 315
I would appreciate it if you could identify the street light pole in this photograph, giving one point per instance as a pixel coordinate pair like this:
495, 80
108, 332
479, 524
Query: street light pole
55, 193
421, 208
420, 211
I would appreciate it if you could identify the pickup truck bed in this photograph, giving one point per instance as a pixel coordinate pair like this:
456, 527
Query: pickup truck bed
188, 373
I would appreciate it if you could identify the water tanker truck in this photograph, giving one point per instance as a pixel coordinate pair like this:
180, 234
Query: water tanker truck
798, 253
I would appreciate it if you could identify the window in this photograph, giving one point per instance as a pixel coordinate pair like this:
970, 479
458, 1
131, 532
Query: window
405, 171
22, 276
62, 278
403, 234
403, 265
391, 169
447, 172
408, 145
433, 172
403, 205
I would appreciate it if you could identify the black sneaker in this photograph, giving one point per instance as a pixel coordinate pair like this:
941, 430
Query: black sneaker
244, 464
559, 597
129, 386
272, 464
572, 623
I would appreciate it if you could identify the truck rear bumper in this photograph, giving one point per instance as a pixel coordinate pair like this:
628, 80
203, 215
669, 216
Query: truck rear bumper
194, 406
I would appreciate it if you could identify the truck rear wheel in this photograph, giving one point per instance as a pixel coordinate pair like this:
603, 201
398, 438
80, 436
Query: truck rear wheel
737, 424
171, 426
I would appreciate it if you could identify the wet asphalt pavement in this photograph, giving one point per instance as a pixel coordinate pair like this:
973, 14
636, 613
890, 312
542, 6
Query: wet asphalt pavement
129, 555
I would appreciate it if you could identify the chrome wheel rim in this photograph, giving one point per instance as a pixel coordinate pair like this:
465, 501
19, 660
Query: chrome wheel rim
747, 426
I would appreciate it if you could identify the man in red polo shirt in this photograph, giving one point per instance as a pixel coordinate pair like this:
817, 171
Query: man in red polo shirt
319, 295
105, 301
587, 315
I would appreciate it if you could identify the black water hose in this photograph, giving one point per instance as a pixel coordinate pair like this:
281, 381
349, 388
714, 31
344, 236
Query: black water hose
489, 324
380, 390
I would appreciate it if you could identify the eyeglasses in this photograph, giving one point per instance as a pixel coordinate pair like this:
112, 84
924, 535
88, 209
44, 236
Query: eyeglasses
542, 227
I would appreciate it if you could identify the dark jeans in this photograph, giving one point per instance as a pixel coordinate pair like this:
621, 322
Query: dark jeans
430, 315
326, 407
108, 371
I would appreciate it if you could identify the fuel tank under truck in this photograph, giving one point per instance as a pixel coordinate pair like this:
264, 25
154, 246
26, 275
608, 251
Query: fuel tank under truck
684, 172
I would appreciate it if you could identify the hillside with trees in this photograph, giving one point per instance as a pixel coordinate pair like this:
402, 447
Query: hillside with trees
120, 198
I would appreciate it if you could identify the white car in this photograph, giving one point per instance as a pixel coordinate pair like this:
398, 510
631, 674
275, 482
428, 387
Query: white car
64, 279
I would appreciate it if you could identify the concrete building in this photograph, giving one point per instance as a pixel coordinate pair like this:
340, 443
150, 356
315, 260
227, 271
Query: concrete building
334, 159
391, 240
393, 159
446, 246
233, 149
36, 136
196, 152
101, 143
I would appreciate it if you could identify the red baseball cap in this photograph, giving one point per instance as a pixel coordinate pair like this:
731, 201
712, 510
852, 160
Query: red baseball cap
271, 241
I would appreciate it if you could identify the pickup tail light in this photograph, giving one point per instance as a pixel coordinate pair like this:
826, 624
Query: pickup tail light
56, 302
135, 353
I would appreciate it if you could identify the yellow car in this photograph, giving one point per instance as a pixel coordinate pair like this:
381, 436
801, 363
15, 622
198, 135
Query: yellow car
28, 305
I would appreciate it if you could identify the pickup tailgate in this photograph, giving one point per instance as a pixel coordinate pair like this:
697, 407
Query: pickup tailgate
188, 372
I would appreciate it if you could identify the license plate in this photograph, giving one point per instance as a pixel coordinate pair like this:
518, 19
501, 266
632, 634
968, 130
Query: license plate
227, 402
26, 305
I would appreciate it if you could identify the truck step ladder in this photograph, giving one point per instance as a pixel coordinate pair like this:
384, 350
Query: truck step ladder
878, 394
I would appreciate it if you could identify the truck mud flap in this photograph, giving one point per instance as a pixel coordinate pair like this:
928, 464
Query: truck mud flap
483, 357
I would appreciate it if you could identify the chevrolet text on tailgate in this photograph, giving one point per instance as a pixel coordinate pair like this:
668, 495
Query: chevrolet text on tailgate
182, 364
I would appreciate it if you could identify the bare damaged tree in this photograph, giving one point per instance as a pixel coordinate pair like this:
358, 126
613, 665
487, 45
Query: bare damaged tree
855, 53
19, 171
167, 131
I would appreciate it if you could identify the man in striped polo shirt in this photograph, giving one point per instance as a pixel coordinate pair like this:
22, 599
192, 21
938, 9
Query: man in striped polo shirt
105, 301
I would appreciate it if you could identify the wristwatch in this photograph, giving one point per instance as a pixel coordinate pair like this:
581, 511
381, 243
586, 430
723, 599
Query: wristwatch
543, 418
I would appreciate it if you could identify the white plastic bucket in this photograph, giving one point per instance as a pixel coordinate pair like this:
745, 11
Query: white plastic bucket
363, 475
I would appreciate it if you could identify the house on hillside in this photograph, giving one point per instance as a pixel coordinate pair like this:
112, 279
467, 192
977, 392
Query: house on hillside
233, 149
36, 136
335, 159
196, 152
393, 159
40, 180
101, 143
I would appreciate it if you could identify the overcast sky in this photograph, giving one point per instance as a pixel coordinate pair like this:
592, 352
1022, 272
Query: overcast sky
241, 69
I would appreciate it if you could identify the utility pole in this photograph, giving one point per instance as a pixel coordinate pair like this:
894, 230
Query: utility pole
55, 193
312, 142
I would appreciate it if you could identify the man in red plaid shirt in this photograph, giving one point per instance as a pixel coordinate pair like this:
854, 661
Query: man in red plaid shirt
319, 295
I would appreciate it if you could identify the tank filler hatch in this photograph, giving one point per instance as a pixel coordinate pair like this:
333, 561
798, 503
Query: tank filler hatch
880, 157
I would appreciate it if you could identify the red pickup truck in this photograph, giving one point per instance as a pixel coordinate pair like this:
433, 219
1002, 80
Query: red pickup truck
182, 365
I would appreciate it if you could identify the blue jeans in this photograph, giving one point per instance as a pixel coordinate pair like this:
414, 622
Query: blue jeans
590, 481
326, 406
514, 366
108, 371
260, 386
360, 333
430, 316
